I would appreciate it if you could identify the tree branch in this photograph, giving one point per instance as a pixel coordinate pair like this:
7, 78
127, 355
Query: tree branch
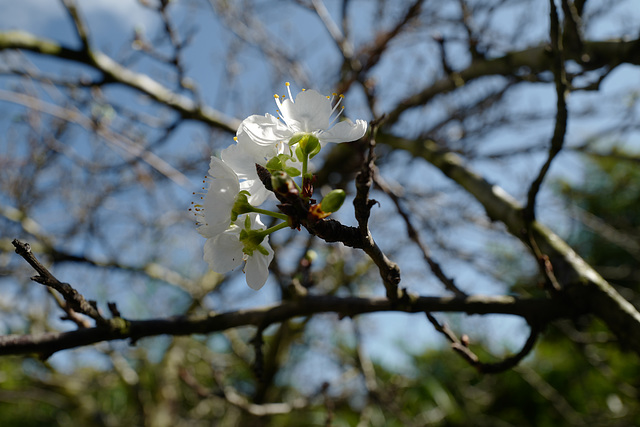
73, 298
582, 285
535, 60
389, 270
562, 115
116, 73
461, 347
540, 310
413, 234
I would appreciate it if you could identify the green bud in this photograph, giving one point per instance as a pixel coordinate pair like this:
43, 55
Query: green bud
311, 255
332, 201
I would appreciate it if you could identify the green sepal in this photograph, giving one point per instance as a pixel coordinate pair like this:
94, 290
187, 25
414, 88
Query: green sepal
279, 163
308, 146
251, 239
241, 205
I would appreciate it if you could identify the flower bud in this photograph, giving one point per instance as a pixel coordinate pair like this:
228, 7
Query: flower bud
333, 201
283, 184
311, 255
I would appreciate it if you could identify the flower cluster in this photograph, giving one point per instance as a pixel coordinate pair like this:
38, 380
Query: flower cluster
228, 214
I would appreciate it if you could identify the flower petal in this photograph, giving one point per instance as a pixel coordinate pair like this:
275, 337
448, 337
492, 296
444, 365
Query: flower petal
344, 131
257, 268
310, 112
223, 189
265, 130
223, 253
242, 158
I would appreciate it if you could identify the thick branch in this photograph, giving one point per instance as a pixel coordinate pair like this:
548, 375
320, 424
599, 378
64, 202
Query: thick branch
116, 73
583, 286
538, 311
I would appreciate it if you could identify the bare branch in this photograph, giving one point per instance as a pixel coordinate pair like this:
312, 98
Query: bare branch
116, 73
389, 270
583, 286
557, 141
536, 311
74, 299
540, 310
415, 237
462, 348
536, 60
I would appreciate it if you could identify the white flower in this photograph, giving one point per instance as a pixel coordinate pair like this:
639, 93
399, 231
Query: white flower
311, 113
242, 158
235, 245
215, 211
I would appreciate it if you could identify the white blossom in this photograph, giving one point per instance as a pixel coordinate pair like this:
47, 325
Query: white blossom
227, 250
214, 213
310, 113
242, 158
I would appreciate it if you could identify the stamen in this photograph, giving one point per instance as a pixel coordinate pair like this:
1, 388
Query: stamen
337, 115
278, 102
288, 90
337, 103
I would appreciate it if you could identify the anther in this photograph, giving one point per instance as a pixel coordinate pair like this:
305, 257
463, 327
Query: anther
288, 89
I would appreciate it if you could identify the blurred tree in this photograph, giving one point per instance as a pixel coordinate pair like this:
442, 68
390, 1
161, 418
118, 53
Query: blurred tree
110, 112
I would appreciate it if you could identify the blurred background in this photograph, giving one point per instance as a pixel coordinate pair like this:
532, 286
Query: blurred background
110, 111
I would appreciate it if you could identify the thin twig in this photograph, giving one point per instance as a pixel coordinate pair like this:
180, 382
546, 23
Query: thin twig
110, 136
74, 299
462, 348
415, 237
559, 132
334, 31
389, 270
78, 23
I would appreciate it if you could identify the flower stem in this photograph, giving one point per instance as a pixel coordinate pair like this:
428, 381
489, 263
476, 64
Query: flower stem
271, 214
276, 228
305, 161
